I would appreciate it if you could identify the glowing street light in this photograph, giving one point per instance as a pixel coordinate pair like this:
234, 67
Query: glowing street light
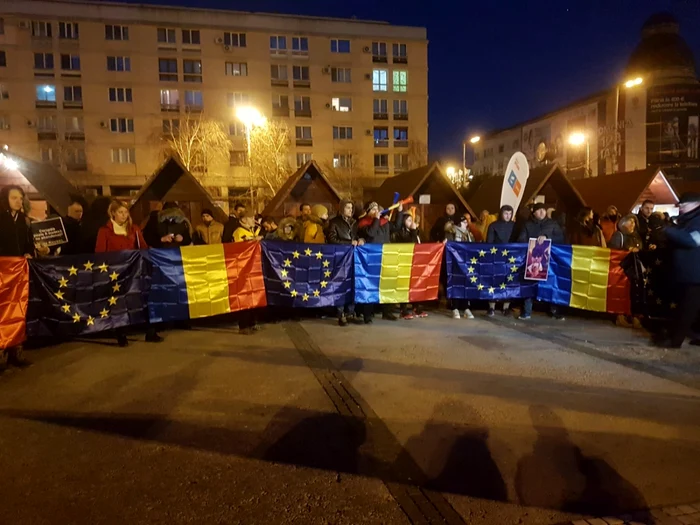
633, 82
577, 139
8, 163
450, 171
250, 116
475, 139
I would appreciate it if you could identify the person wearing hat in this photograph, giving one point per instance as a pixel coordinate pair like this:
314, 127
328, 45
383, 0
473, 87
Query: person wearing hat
684, 241
540, 227
314, 225
174, 230
210, 231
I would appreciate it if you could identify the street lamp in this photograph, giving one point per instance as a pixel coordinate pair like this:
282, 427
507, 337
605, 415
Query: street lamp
630, 83
473, 140
577, 139
250, 117
633, 82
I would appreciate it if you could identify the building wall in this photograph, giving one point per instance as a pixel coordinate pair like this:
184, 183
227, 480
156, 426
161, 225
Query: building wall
19, 79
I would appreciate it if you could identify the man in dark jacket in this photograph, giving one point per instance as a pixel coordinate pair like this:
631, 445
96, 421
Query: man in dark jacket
437, 232
234, 221
501, 232
174, 230
15, 234
73, 224
684, 240
541, 228
645, 211
342, 229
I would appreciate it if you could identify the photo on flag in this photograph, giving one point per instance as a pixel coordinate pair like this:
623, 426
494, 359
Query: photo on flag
538, 256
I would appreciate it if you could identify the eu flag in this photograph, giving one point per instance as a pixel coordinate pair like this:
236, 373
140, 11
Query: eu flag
488, 272
307, 275
83, 294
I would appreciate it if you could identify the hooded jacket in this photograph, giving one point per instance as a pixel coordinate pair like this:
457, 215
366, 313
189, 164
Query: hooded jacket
643, 228
209, 234
535, 228
609, 226
279, 235
437, 232
15, 235
173, 221
378, 231
314, 225
684, 239
454, 232
109, 241
404, 234
587, 235
341, 229
626, 241
244, 234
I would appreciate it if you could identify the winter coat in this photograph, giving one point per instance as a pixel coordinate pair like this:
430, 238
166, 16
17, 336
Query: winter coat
173, 221
644, 230
406, 235
313, 230
230, 227
209, 234
548, 228
500, 232
587, 235
15, 235
625, 241
484, 225
377, 231
244, 234
74, 234
279, 235
437, 232
457, 234
108, 241
341, 230
684, 239
609, 227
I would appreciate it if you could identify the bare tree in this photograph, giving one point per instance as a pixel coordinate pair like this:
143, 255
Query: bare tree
199, 143
346, 176
417, 154
269, 157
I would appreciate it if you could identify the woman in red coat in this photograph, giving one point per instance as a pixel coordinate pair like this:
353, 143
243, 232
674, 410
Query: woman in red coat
117, 235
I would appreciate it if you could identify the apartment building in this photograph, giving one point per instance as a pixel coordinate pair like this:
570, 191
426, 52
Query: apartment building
92, 87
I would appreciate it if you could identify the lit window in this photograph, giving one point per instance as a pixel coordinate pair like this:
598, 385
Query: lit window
68, 30
123, 156
74, 124
342, 132
169, 98
340, 46
238, 158
121, 125
379, 80
43, 60
381, 137
118, 64
190, 37
237, 69
303, 158
237, 99
113, 32
235, 39
342, 160
46, 93
343, 104
166, 36
341, 74
400, 81
119, 94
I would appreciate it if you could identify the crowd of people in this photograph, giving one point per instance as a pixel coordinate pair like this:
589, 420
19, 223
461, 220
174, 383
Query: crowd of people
106, 226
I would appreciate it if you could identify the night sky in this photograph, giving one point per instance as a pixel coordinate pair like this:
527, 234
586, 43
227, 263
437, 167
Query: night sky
494, 63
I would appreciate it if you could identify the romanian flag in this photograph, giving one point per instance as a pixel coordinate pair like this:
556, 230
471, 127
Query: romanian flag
14, 296
587, 277
397, 273
202, 281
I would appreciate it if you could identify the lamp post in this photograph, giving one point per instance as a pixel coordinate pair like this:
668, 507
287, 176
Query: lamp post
578, 139
632, 82
250, 117
473, 140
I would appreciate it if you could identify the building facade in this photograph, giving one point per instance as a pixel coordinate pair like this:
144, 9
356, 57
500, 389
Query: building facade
92, 88
651, 118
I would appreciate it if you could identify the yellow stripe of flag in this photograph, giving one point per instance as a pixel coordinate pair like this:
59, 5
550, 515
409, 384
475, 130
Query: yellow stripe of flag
395, 279
590, 267
206, 279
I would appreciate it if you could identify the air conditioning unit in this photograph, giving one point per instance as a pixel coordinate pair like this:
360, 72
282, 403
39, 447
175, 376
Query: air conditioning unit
219, 40
366, 49
227, 48
328, 106
103, 124
368, 132
30, 123
24, 24
368, 76
326, 71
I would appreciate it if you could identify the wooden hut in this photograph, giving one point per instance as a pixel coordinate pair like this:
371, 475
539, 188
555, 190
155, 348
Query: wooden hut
429, 184
173, 182
307, 184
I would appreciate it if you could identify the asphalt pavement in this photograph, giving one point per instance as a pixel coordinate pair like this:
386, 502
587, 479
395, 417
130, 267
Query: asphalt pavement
435, 420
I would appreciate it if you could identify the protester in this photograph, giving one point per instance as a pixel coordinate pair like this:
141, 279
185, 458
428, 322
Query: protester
342, 229
304, 212
314, 225
684, 240
174, 229
657, 231
627, 238
269, 225
117, 235
210, 231
375, 229
485, 220
73, 225
585, 232
233, 222
437, 232
645, 211
15, 233
501, 232
627, 235
407, 232
608, 223
474, 228
459, 233
541, 228
247, 229
286, 231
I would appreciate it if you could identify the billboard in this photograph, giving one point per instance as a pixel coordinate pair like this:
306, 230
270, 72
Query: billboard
673, 115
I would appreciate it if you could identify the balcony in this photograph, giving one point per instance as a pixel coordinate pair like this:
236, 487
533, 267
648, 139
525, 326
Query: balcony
305, 142
380, 59
381, 143
400, 143
302, 83
172, 108
381, 116
46, 135
75, 135
381, 169
302, 112
45, 104
194, 108
279, 82
400, 60
76, 166
68, 104
280, 111
400, 116
44, 73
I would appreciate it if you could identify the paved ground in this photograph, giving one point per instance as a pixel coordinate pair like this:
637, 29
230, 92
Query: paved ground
425, 421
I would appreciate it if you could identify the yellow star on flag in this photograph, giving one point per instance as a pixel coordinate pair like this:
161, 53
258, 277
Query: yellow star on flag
503, 286
104, 313
112, 301
307, 252
480, 287
88, 265
287, 262
59, 294
511, 260
659, 302
327, 273
295, 254
116, 288
470, 269
510, 278
673, 306
72, 270
316, 293
103, 268
66, 308
287, 284
324, 284
305, 297
294, 293
113, 276
62, 282
513, 269
284, 273
90, 320
319, 255
474, 279
326, 264
474, 261
650, 292
494, 250
482, 253
76, 318
491, 290
657, 262
505, 253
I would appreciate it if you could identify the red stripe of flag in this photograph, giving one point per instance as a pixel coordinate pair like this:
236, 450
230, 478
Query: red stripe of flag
425, 272
14, 297
246, 287
619, 287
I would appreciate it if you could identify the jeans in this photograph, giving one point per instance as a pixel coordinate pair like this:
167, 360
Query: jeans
686, 314
528, 307
348, 309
